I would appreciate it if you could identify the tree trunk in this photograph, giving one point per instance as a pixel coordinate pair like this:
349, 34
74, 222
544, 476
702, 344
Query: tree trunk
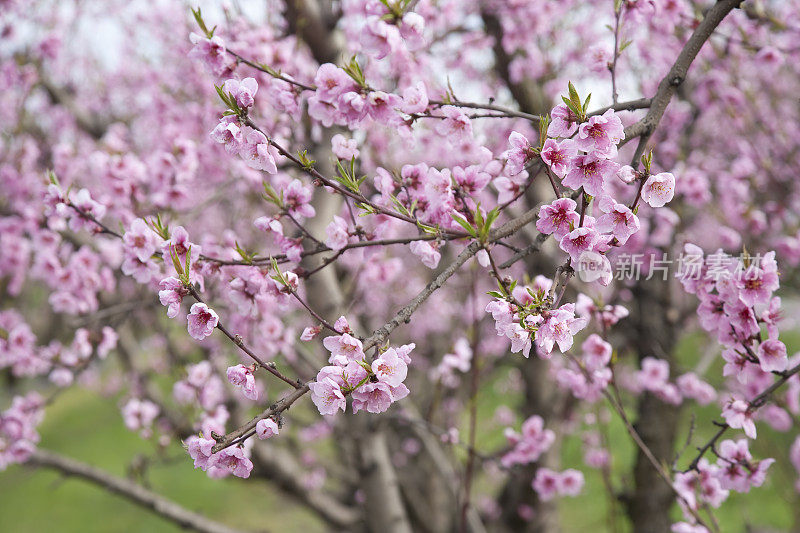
653, 334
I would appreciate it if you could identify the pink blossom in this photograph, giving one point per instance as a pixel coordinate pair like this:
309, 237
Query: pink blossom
558, 218
590, 172
429, 255
772, 315
471, 179
87, 207
199, 449
266, 428
242, 91
772, 356
210, 51
372, 397
342, 325
659, 189
455, 126
654, 373
617, 220
531, 444
139, 414
545, 483
108, 342
171, 295
693, 387
297, 198
269, 224
626, 174
229, 132
61, 377
331, 82
343, 348
570, 482
564, 122
759, 281
344, 148
737, 414
202, 321
520, 338
601, 135
596, 352
255, 150
337, 233
415, 99
390, 368
327, 396
558, 327
578, 241
234, 461
519, 154
741, 317
411, 28
379, 38
353, 108
179, 244
559, 155
310, 332
241, 376
382, 107
600, 58
140, 240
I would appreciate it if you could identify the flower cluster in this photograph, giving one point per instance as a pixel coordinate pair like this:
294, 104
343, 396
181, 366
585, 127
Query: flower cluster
736, 299
548, 483
20, 353
372, 387
459, 360
528, 446
18, 436
233, 460
586, 377
735, 470
139, 414
527, 317
242, 377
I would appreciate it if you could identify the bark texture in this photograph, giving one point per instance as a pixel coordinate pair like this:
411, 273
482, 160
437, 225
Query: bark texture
652, 334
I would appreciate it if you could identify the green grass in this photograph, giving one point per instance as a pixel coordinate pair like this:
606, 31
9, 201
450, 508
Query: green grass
89, 428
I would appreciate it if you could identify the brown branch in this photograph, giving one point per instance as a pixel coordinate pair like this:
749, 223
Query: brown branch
279, 467
238, 341
676, 75
134, 492
754, 404
278, 407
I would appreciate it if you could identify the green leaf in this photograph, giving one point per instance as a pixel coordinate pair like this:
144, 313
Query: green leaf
496, 294
353, 69
573, 94
198, 17
244, 254
188, 263
305, 161
491, 216
51, 176
432, 230
366, 208
464, 223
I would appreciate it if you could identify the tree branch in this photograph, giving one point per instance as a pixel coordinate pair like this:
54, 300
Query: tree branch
137, 494
676, 75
